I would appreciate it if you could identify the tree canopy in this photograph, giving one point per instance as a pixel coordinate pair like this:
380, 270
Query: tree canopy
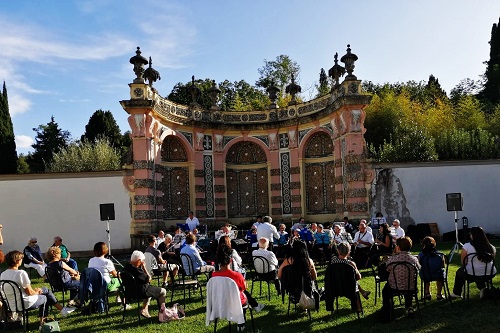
49, 140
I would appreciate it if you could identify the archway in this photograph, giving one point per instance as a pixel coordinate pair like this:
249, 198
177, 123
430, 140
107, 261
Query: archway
175, 182
247, 180
319, 175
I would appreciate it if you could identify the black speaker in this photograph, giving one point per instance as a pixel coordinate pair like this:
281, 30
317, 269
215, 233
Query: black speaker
107, 211
454, 202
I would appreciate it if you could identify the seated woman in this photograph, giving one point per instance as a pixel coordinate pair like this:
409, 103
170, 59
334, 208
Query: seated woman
70, 277
344, 249
302, 265
432, 268
33, 298
138, 270
384, 239
33, 256
106, 267
478, 244
224, 258
237, 263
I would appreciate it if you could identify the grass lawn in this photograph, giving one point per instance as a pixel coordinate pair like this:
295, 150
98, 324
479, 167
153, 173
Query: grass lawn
438, 316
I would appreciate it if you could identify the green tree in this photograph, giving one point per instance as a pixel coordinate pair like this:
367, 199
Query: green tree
180, 93
86, 156
22, 165
409, 143
49, 140
461, 144
323, 87
102, 124
279, 71
491, 90
463, 88
8, 151
468, 113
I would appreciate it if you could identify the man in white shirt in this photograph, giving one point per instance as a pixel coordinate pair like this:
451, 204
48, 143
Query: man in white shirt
258, 221
363, 241
160, 239
267, 230
263, 251
192, 221
396, 230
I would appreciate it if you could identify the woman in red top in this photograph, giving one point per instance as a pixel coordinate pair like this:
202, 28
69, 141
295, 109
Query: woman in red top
223, 258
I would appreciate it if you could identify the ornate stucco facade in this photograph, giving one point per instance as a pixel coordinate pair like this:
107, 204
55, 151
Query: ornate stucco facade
307, 159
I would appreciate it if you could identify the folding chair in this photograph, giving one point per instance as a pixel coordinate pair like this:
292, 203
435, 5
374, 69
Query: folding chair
402, 268
427, 274
292, 284
55, 281
223, 302
12, 299
183, 282
340, 281
262, 268
379, 272
152, 267
479, 274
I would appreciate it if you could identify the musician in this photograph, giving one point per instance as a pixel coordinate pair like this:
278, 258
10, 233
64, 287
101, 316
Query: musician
321, 243
363, 241
396, 230
348, 227
179, 238
339, 237
267, 230
162, 264
161, 238
224, 231
258, 221
301, 224
167, 249
192, 221
314, 228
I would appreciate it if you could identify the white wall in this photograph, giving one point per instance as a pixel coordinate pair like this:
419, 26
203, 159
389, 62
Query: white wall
423, 188
67, 205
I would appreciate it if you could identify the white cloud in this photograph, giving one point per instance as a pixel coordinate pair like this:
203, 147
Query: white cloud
18, 103
24, 141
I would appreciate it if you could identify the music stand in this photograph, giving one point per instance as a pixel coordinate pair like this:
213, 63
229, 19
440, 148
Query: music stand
454, 202
107, 212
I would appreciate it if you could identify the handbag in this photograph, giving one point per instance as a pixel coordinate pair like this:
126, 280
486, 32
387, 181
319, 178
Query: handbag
50, 326
307, 302
176, 312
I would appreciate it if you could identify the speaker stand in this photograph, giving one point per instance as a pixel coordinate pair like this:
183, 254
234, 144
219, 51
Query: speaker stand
110, 257
457, 245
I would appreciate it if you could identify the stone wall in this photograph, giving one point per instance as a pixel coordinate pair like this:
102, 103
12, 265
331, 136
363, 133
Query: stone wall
416, 193
46, 205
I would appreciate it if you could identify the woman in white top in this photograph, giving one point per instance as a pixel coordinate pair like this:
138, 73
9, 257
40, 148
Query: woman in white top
105, 266
478, 244
33, 298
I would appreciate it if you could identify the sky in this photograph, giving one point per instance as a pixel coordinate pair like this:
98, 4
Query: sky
68, 59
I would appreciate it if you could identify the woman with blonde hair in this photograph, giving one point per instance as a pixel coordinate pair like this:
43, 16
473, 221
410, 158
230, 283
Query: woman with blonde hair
70, 277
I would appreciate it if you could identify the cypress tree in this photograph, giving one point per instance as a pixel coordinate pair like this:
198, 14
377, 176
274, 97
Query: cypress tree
491, 91
8, 154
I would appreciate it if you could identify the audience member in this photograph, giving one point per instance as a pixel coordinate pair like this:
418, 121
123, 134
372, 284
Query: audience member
33, 298
432, 268
267, 230
65, 254
162, 264
343, 250
396, 230
70, 277
33, 256
401, 254
192, 221
481, 245
299, 258
146, 291
106, 267
272, 274
224, 258
237, 263
199, 265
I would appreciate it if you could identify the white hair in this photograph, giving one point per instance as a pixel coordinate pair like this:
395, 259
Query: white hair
136, 255
168, 236
263, 243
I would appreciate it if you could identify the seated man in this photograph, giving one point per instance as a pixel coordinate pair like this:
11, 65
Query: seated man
65, 255
160, 239
137, 268
225, 231
348, 227
401, 254
363, 240
162, 263
340, 236
32, 256
199, 266
272, 274
396, 230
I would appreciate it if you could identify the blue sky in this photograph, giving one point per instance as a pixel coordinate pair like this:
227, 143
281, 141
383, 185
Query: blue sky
71, 58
